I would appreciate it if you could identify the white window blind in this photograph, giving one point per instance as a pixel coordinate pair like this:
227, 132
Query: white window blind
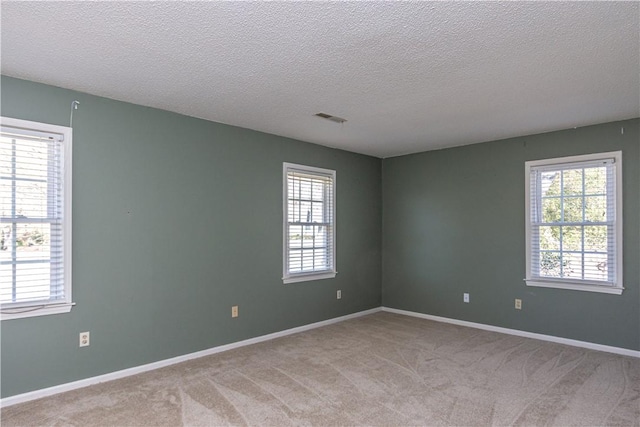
309, 225
35, 249
574, 222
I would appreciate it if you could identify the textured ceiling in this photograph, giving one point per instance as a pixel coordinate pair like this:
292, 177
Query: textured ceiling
408, 76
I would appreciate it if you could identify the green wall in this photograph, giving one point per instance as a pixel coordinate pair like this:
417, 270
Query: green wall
453, 222
176, 219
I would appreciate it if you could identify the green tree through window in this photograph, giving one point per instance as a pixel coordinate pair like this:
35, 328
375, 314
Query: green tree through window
574, 221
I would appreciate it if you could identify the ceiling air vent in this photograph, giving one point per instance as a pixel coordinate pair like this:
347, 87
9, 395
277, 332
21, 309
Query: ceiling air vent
332, 118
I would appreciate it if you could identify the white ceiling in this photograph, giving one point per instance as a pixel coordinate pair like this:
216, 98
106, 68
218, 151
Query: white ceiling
408, 76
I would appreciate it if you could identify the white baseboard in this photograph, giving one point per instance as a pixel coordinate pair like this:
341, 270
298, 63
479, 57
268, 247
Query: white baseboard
37, 394
551, 338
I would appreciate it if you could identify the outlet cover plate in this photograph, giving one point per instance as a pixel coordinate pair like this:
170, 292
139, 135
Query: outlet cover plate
85, 339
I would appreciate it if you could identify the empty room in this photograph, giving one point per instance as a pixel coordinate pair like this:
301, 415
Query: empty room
319, 213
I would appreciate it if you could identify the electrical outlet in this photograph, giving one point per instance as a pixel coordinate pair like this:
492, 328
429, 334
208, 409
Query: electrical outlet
234, 311
518, 304
465, 297
84, 339
339, 294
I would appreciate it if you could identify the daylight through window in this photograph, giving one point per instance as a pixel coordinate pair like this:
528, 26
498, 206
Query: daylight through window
574, 223
35, 275
309, 227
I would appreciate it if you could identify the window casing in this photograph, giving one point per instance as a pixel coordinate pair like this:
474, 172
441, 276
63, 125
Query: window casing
309, 223
574, 223
35, 216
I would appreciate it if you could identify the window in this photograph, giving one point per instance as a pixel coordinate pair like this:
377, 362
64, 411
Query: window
35, 210
309, 223
574, 223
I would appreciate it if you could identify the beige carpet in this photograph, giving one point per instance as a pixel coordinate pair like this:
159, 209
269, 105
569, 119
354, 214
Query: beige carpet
382, 369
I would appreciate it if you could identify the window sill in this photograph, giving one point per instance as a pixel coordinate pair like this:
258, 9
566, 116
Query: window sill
34, 311
615, 290
307, 277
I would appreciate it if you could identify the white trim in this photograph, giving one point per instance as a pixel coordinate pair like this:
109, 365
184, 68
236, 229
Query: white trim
44, 129
26, 127
42, 310
308, 277
304, 277
50, 391
67, 209
560, 284
508, 331
575, 159
64, 135
310, 169
37, 394
615, 290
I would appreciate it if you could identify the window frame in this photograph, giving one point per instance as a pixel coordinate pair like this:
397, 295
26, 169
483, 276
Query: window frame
287, 276
577, 284
25, 309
